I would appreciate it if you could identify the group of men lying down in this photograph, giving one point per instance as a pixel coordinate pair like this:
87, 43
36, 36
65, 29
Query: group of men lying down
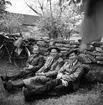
52, 75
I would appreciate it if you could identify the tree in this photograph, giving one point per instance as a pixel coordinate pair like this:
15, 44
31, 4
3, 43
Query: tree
3, 4
57, 20
70, 1
3, 12
11, 23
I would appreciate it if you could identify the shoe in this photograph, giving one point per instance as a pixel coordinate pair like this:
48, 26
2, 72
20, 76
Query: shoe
26, 93
4, 78
8, 85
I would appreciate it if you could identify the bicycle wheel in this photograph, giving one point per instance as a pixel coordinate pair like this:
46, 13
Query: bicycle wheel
2, 51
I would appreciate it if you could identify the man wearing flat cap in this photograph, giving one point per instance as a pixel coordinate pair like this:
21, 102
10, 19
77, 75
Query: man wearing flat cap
67, 78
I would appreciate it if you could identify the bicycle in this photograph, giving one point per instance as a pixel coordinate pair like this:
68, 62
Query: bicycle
7, 47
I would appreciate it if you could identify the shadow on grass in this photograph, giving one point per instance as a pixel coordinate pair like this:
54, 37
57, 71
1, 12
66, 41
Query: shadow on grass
49, 95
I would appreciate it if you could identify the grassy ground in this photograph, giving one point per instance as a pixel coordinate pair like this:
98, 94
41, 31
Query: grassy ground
81, 97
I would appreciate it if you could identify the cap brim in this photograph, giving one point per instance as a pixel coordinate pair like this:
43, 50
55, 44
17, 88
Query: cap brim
49, 49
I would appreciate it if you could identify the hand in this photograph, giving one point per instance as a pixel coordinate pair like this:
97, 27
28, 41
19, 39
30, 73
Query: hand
27, 64
30, 66
59, 76
64, 83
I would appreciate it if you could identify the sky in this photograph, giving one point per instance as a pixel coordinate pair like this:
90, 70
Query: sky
19, 6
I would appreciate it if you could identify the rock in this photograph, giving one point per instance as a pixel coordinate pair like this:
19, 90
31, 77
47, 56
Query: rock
99, 49
64, 49
97, 44
94, 76
87, 58
100, 62
62, 41
99, 58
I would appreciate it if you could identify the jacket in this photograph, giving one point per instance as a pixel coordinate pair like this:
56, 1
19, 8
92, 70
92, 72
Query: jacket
72, 70
37, 62
52, 66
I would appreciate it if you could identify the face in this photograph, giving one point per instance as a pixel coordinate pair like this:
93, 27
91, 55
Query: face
35, 49
72, 56
54, 52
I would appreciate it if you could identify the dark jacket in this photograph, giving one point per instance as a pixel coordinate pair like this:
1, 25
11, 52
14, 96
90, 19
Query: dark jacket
37, 62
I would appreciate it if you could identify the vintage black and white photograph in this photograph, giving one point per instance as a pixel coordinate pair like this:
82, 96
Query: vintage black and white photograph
51, 52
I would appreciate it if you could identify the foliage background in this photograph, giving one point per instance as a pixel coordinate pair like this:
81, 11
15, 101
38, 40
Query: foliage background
11, 23
58, 20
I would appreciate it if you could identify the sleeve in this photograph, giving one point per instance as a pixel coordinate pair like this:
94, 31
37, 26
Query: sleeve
48, 62
40, 64
46, 65
63, 67
29, 59
76, 75
86, 68
40, 70
51, 73
61, 63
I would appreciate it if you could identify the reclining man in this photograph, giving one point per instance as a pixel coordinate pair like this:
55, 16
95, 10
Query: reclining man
47, 72
68, 78
33, 64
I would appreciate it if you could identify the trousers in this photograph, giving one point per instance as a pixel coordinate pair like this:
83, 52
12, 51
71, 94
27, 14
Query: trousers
52, 85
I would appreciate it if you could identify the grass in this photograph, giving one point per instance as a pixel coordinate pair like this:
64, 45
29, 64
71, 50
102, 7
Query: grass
81, 97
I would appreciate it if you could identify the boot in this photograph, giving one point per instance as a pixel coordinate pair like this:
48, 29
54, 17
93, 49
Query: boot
13, 85
15, 77
7, 78
4, 78
27, 94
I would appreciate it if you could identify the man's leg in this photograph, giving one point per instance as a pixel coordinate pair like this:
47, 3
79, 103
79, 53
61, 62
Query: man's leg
13, 84
20, 75
36, 81
44, 89
61, 89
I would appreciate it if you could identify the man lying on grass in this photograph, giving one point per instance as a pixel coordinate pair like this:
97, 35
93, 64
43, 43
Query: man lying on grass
67, 78
48, 72
33, 64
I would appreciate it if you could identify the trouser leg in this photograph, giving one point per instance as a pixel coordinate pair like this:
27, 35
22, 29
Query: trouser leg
18, 84
44, 89
36, 82
20, 75
13, 84
61, 88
